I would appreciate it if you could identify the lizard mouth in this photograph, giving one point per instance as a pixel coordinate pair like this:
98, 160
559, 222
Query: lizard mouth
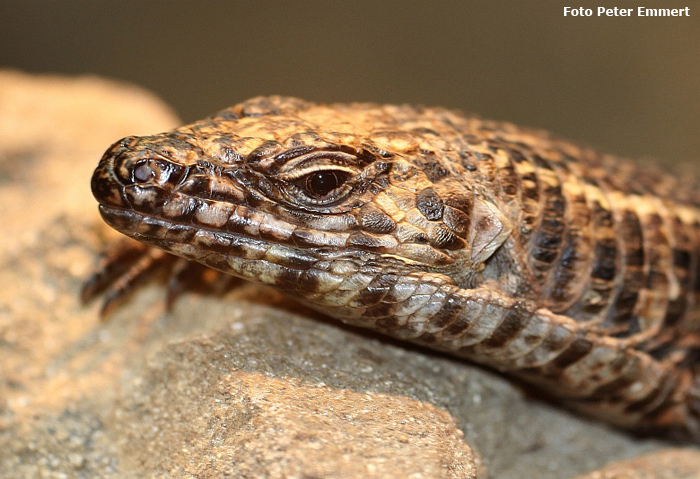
183, 221
245, 256
166, 234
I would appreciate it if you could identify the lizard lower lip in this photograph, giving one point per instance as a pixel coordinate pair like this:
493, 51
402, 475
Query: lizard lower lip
157, 231
120, 219
149, 229
146, 228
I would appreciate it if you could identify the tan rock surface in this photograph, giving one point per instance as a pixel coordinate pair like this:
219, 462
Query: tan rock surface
664, 464
248, 384
57, 370
52, 131
205, 421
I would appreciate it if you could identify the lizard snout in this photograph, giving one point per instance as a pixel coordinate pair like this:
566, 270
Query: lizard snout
127, 174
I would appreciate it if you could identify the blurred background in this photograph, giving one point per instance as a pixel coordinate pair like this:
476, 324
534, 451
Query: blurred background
629, 86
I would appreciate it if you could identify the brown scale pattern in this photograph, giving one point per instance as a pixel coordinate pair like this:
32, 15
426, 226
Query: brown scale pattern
605, 250
572, 270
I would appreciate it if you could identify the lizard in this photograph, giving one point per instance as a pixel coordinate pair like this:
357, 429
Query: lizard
571, 270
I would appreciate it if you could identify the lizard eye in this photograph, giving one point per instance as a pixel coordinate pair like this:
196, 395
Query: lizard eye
143, 172
319, 179
156, 171
320, 183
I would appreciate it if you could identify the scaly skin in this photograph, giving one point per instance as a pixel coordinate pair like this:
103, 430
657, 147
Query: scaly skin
571, 270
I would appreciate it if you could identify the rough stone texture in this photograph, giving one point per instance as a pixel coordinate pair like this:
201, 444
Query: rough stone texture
665, 464
247, 424
57, 370
248, 384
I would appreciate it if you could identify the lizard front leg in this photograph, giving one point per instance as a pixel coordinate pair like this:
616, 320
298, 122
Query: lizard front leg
125, 264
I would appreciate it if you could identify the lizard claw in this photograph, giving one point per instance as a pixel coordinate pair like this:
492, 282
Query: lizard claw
127, 264
123, 266
113, 262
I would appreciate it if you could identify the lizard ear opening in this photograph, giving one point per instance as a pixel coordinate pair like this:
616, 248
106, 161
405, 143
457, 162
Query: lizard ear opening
489, 230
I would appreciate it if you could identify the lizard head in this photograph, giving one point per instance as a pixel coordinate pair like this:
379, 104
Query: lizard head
277, 190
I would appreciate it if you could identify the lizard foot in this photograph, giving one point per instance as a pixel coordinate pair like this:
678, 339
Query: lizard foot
127, 264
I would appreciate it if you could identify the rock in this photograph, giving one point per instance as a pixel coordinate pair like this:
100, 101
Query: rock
247, 384
52, 132
57, 370
664, 464
193, 416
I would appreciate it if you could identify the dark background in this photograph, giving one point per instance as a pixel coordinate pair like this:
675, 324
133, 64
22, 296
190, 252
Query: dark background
626, 85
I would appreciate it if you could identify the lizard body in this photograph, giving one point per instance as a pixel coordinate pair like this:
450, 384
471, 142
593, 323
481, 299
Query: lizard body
574, 271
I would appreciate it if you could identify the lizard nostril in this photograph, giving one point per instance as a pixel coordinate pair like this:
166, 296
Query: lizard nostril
144, 172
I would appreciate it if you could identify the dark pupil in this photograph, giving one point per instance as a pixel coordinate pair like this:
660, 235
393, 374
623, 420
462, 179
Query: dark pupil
143, 172
323, 182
